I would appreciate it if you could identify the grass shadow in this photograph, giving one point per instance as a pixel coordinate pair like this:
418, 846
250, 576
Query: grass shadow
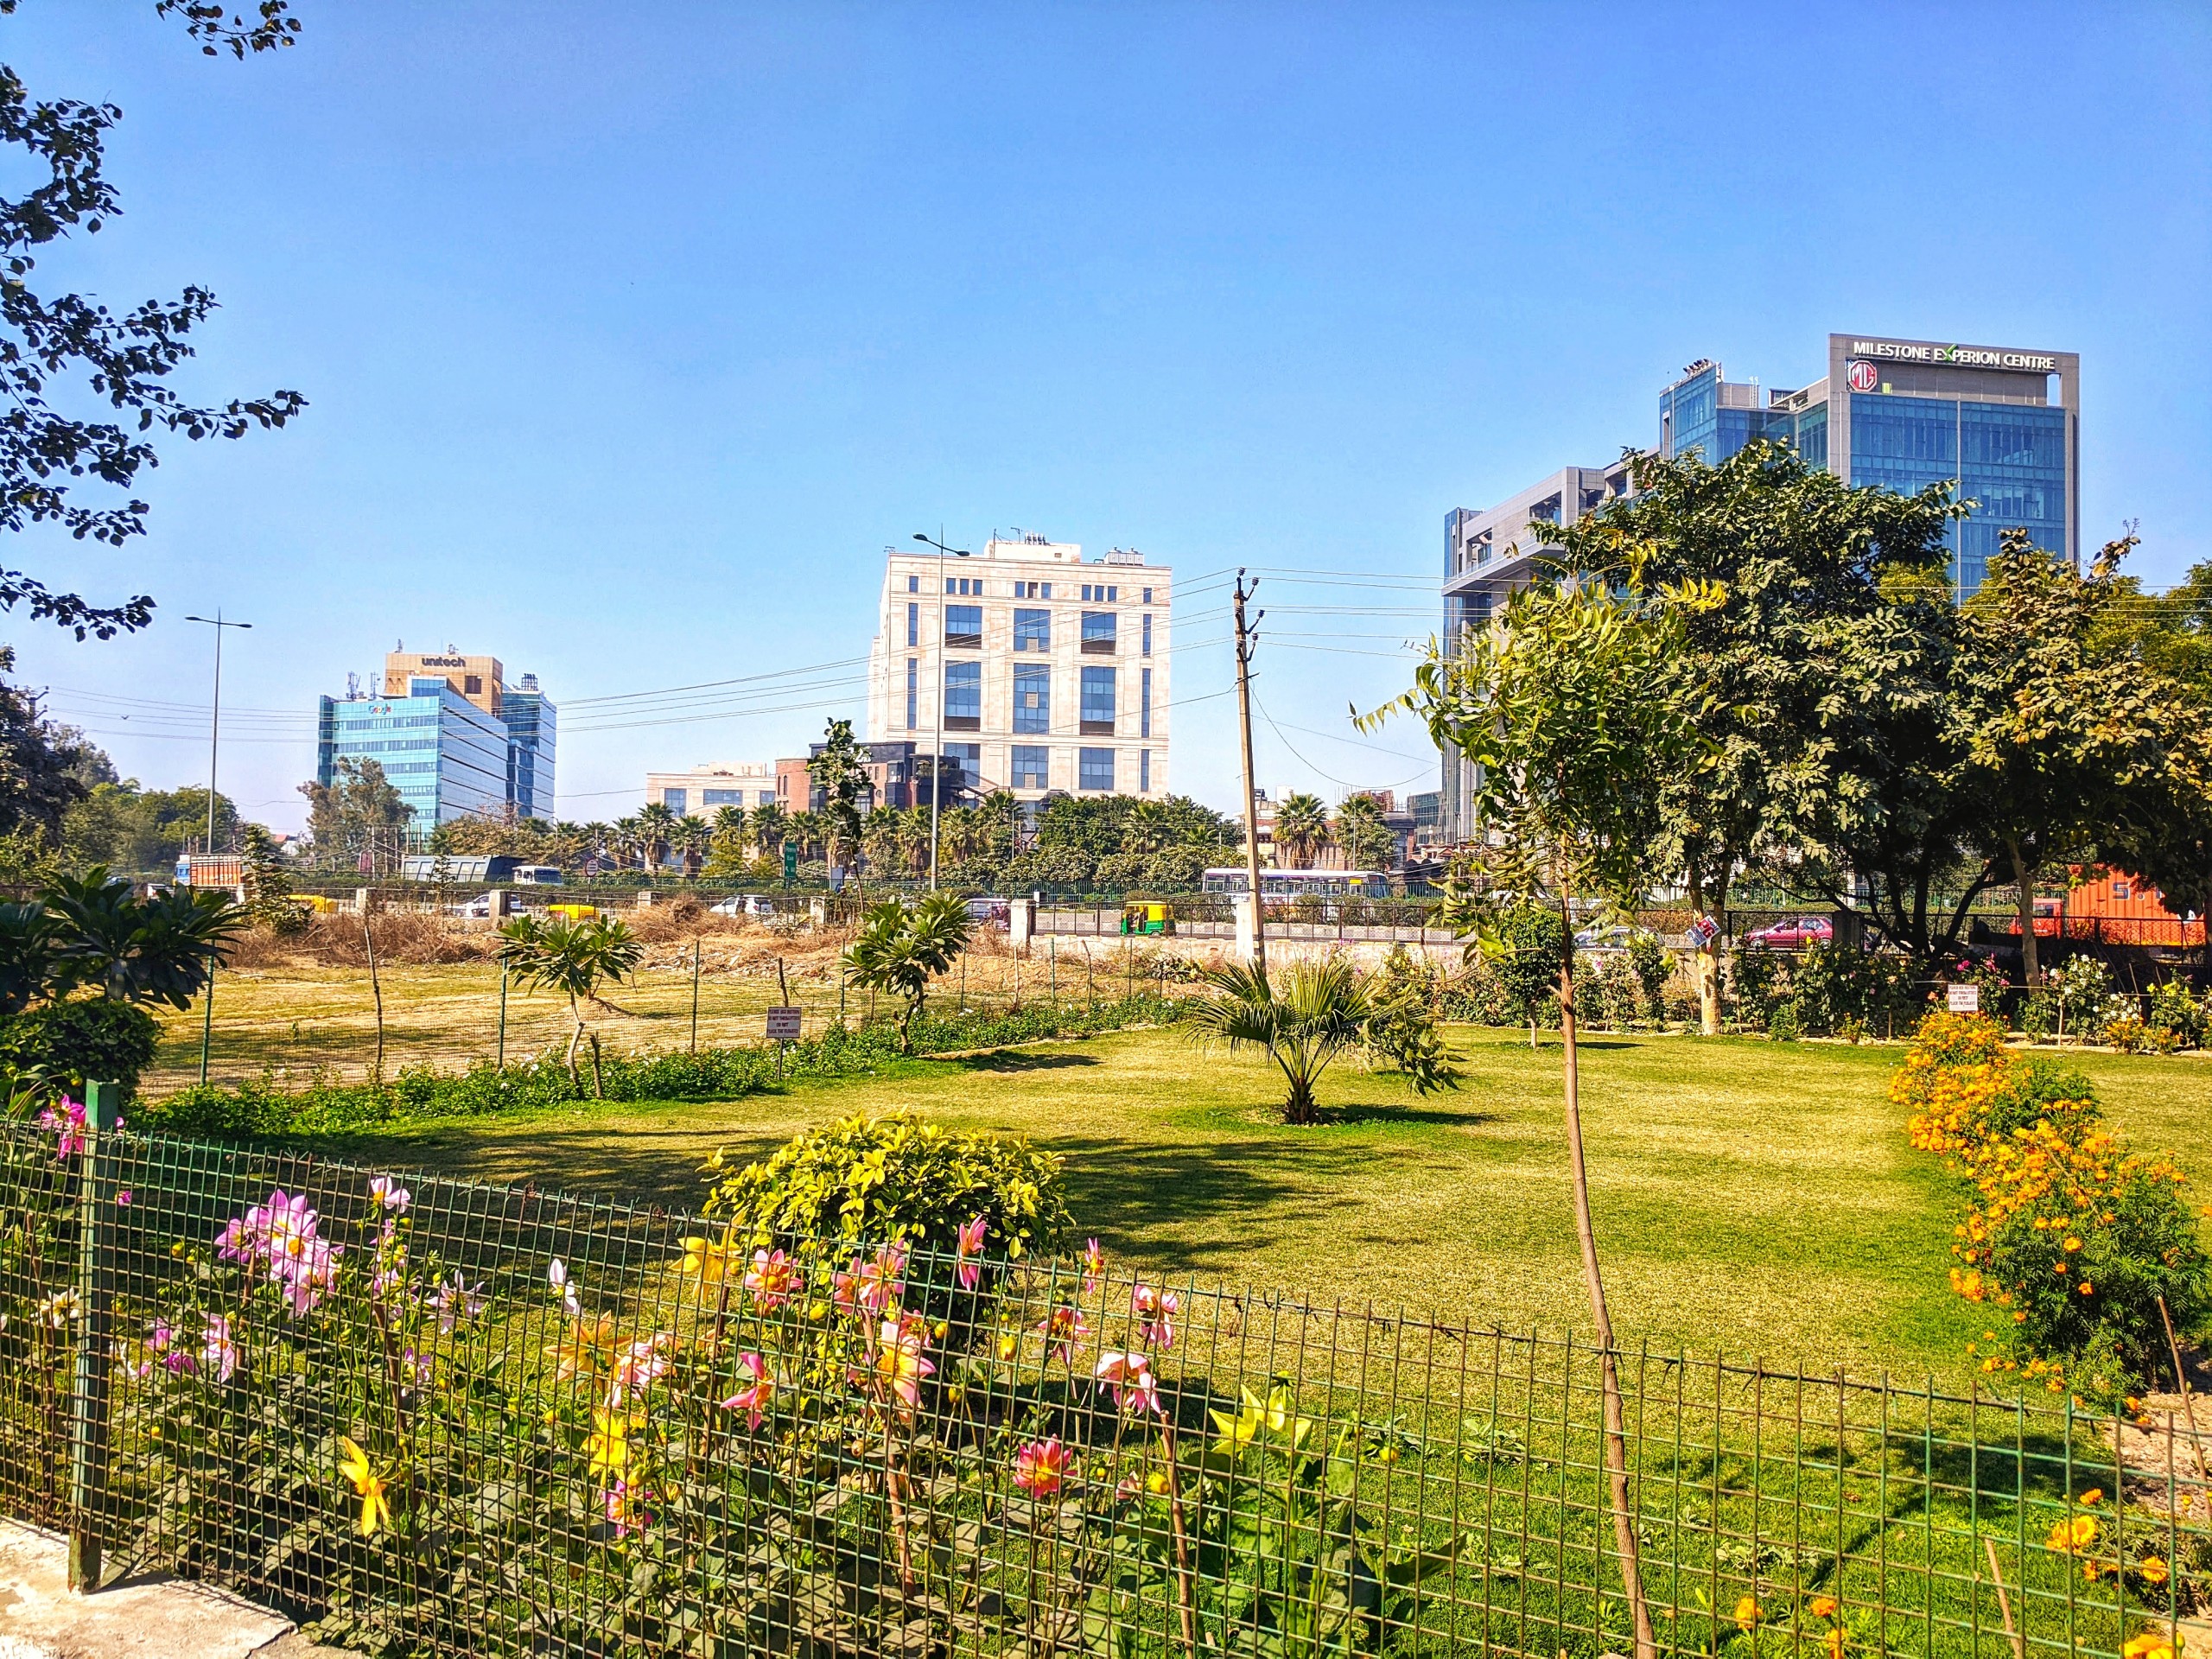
1014, 1060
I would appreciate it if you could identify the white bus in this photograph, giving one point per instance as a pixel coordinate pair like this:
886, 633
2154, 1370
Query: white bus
1301, 884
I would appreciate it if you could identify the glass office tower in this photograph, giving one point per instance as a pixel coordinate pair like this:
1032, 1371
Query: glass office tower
447, 757
1908, 413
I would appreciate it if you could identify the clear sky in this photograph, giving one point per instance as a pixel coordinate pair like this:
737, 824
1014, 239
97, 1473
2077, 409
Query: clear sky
633, 333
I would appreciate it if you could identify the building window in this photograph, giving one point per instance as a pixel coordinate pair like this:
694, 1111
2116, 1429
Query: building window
1033, 697
1030, 762
963, 627
913, 689
1096, 593
1033, 590
677, 801
1096, 770
913, 626
1147, 595
963, 697
1032, 630
1098, 708
1144, 772
472, 685
1148, 634
913, 584
721, 798
767, 798
966, 586
1144, 703
1098, 633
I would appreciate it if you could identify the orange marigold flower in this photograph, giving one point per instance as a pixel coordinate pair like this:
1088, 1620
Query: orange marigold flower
1747, 1615
1823, 1606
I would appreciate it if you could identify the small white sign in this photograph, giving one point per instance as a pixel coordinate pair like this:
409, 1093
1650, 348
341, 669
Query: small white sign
1962, 998
783, 1024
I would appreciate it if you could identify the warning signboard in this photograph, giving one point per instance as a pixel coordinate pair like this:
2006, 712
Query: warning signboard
1962, 998
784, 1025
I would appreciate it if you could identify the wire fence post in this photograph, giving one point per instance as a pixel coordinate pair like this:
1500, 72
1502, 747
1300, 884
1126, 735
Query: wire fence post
695, 996
207, 1029
88, 1393
503, 1016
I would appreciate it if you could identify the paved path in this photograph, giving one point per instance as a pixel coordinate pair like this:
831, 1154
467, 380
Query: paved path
152, 1618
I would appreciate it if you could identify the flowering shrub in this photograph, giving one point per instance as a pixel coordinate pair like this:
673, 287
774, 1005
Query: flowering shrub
897, 1176
2070, 1239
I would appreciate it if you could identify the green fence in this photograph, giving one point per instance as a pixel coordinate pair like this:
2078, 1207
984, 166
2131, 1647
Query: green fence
448, 1418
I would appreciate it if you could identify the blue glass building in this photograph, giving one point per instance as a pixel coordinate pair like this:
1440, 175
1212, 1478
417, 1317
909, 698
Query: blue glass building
451, 738
1908, 413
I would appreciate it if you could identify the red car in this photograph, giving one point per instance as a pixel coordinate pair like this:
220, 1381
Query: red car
1791, 936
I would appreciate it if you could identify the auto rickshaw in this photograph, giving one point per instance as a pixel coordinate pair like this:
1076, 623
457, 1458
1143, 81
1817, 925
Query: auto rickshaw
1147, 918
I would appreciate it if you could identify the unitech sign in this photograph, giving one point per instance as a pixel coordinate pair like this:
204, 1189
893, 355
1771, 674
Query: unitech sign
1964, 356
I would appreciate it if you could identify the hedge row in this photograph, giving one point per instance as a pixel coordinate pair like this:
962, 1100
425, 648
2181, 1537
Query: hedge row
261, 1110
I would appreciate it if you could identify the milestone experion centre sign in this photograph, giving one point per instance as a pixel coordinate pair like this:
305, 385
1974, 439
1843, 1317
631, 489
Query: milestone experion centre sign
1965, 357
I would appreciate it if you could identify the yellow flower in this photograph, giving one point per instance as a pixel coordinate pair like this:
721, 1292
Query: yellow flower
2091, 1498
608, 1446
2152, 1569
1156, 1481
376, 1508
2067, 1536
1835, 1643
1823, 1606
710, 1262
2154, 1644
1747, 1615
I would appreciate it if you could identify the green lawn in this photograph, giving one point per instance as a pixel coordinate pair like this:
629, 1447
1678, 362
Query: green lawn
1750, 1198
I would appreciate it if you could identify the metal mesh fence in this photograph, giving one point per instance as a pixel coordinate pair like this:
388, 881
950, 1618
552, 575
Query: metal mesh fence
447, 1418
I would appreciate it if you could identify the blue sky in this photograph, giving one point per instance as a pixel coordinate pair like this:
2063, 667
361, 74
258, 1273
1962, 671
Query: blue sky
632, 334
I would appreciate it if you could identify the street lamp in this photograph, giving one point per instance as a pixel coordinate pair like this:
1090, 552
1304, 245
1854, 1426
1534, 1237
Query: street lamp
214, 737
937, 716
215, 716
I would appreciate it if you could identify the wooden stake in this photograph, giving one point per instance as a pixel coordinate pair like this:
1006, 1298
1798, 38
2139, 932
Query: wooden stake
2004, 1602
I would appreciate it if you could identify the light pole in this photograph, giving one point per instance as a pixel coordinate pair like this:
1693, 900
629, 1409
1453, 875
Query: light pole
215, 738
936, 714
215, 716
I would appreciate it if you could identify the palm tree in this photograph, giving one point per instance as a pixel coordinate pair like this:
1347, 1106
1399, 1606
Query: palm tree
573, 958
628, 835
657, 826
1366, 842
883, 839
1319, 1011
807, 830
901, 948
770, 824
157, 950
1149, 828
692, 838
1301, 829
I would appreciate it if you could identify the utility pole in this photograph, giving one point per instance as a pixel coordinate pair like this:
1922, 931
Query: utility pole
214, 740
937, 714
1245, 641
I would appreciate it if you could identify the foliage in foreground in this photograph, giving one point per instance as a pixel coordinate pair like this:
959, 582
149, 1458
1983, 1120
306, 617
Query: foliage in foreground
896, 1176
2073, 1241
261, 1108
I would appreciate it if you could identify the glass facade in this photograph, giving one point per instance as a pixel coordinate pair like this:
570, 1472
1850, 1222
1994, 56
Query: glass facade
963, 696
2008, 459
913, 689
1032, 630
532, 726
1098, 631
1095, 769
963, 627
1144, 703
1033, 698
446, 757
1097, 706
1029, 763
677, 801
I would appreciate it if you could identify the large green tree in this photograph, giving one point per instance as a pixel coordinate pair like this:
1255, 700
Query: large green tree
1817, 681
357, 815
839, 770
1572, 709
2065, 734
140, 831
48, 438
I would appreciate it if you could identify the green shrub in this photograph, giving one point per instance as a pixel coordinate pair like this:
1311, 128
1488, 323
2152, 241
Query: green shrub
2172, 1008
96, 1039
868, 1181
1649, 960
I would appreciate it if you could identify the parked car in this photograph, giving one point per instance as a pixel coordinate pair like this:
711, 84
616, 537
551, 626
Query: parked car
1615, 937
1793, 935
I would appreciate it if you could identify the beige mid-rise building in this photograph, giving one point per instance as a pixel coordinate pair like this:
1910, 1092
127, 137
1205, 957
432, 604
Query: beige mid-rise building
708, 787
1036, 670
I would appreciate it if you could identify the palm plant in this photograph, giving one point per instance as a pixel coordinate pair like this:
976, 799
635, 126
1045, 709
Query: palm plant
574, 958
1366, 842
1317, 1013
691, 838
657, 830
156, 950
1301, 829
902, 947
770, 826
624, 837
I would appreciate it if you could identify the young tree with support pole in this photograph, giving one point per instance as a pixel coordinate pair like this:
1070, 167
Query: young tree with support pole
1246, 639
1565, 707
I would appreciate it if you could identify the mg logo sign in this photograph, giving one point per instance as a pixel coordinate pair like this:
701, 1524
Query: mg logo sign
1864, 376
